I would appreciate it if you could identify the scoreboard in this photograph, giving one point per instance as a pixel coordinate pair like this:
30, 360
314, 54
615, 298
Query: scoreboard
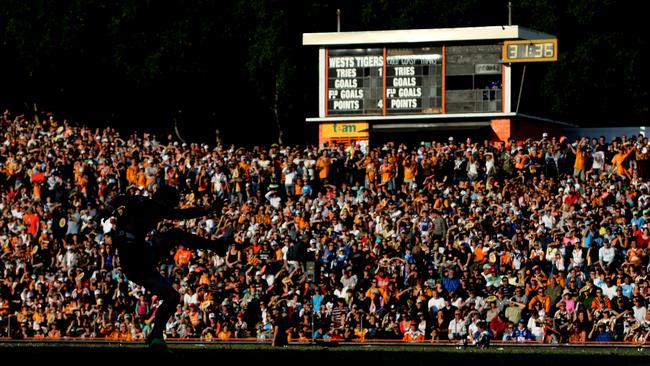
381, 81
406, 80
416, 75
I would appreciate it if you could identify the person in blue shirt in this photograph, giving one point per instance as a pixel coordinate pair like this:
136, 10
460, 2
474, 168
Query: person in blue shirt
508, 333
451, 282
628, 286
521, 332
588, 234
317, 298
636, 219
483, 335
600, 333
306, 189
318, 333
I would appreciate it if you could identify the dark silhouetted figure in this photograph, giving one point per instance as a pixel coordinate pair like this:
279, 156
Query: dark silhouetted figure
136, 220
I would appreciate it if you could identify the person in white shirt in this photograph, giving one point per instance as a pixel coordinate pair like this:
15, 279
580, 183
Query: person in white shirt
457, 328
219, 182
289, 177
107, 224
274, 198
548, 220
576, 258
606, 254
609, 289
536, 325
349, 280
435, 303
310, 165
639, 309
597, 162
473, 322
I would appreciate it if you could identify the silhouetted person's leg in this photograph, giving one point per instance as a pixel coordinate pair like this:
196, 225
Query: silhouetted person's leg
138, 261
156, 284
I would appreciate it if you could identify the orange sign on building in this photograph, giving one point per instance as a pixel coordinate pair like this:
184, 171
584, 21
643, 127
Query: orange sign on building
342, 132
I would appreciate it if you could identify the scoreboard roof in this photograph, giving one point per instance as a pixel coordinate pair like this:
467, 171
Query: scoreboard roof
423, 35
412, 117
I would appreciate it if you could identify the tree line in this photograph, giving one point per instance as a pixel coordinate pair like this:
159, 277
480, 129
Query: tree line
154, 64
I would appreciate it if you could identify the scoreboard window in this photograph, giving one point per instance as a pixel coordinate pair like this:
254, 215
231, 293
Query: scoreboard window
414, 80
473, 79
355, 81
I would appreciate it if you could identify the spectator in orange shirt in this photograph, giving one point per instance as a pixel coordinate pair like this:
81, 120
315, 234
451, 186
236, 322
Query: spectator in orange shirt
581, 159
619, 159
183, 256
542, 298
323, 166
413, 334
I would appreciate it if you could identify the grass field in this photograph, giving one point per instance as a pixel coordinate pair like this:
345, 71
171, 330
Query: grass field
255, 354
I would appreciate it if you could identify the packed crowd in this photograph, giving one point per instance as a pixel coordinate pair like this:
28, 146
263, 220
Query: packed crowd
538, 240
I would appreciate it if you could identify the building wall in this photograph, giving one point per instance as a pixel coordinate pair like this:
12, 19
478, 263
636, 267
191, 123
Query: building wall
521, 129
609, 133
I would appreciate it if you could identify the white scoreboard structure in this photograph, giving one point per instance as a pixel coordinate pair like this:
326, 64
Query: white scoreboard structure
405, 80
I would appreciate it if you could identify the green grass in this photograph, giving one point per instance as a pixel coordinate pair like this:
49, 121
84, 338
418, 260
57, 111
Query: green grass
361, 355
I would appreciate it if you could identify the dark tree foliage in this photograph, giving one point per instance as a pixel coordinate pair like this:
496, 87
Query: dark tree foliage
150, 63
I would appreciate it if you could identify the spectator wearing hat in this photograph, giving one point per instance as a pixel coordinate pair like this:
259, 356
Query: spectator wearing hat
474, 301
561, 323
241, 326
521, 333
620, 303
476, 279
568, 297
628, 287
575, 280
493, 309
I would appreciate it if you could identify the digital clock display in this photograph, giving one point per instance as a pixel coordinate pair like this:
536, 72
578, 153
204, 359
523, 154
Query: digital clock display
530, 50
